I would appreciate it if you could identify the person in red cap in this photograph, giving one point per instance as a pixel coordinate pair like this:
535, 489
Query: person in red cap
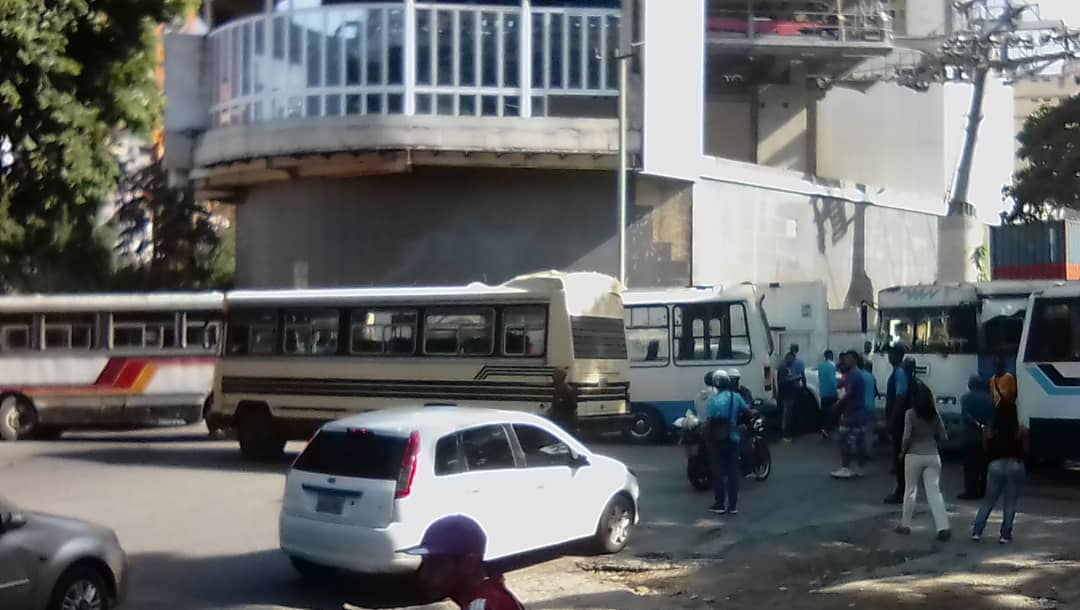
453, 566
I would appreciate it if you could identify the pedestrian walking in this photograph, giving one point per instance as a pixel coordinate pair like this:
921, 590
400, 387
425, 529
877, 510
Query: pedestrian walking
852, 410
923, 432
722, 431
1006, 444
452, 566
563, 409
870, 390
1003, 383
896, 391
977, 411
827, 390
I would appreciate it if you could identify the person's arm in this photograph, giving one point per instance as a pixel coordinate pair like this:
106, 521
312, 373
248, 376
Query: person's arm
941, 434
905, 444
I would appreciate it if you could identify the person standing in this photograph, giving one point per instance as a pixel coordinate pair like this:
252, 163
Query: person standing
1003, 383
923, 432
723, 410
896, 390
852, 412
977, 411
870, 389
563, 402
793, 382
452, 566
1006, 444
827, 391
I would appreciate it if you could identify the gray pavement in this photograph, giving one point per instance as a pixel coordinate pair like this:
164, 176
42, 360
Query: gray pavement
200, 524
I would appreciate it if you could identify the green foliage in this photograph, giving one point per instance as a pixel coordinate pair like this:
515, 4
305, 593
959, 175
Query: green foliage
168, 239
1050, 181
980, 258
72, 72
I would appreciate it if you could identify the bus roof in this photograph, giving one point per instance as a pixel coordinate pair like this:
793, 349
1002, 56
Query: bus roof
699, 294
944, 295
1061, 290
536, 287
136, 301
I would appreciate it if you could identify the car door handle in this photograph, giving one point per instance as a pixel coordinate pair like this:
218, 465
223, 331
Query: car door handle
540, 487
474, 491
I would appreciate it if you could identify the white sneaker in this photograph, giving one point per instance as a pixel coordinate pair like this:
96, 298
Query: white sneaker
841, 473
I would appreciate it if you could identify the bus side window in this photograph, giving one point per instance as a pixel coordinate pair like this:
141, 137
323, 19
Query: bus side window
524, 331
15, 333
648, 339
69, 332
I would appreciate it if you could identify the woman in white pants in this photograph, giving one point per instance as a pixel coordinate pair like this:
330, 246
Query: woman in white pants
923, 431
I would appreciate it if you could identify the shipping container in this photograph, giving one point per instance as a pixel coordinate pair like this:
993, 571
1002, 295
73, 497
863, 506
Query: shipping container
1041, 250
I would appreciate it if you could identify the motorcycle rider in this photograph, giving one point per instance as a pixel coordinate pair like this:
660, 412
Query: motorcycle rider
723, 438
734, 376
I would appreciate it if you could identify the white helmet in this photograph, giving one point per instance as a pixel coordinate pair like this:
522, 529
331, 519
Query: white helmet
721, 380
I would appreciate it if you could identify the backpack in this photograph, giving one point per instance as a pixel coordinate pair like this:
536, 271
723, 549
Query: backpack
720, 430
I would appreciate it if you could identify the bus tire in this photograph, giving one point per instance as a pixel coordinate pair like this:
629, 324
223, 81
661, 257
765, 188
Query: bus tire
647, 426
255, 431
207, 405
18, 418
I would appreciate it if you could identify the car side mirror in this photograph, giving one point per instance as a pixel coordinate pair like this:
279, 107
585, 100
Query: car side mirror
577, 460
11, 521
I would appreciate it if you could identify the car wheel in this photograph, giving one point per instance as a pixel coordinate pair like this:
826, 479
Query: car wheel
258, 439
646, 427
81, 588
309, 570
18, 418
613, 532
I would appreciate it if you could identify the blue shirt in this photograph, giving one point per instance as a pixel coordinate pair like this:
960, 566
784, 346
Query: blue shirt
719, 406
827, 379
870, 390
854, 398
900, 380
978, 407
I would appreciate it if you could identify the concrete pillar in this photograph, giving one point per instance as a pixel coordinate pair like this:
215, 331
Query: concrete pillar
958, 237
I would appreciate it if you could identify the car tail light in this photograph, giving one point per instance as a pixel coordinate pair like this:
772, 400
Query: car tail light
767, 374
408, 467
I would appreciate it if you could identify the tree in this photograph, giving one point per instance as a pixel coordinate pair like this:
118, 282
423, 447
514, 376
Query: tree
72, 72
168, 239
1049, 184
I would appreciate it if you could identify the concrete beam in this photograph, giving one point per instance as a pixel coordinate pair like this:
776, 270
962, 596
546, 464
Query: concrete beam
570, 136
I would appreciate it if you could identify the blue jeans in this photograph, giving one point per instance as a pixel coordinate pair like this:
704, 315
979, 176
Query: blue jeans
725, 473
1004, 477
853, 445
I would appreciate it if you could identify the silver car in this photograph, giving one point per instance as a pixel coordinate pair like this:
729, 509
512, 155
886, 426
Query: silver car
55, 563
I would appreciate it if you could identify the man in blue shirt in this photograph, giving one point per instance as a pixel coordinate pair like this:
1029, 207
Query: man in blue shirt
896, 403
869, 403
827, 391
977, 409
792, 382
722, 412
852, 409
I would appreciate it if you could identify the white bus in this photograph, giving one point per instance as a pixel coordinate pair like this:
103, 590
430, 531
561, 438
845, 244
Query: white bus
676, 336
953, 331
297, 358
1048, 380
105, 360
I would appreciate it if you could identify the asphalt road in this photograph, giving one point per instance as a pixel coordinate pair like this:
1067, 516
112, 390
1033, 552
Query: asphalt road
200, 524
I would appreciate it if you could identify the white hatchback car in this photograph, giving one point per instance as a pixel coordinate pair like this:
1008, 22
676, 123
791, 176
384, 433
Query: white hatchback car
368, 486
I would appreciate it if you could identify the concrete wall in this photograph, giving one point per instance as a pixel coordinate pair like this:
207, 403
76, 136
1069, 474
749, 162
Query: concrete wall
744, 233
729, 127
426, 227
909, 142
660, 237
782, 137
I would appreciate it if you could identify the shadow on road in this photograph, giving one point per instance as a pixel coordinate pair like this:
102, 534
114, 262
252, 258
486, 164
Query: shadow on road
200, 457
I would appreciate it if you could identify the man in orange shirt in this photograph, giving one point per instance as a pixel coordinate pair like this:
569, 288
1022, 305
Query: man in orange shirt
1002, 384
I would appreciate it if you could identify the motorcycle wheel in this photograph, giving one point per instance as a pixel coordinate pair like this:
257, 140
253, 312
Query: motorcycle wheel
697, 471
762, 462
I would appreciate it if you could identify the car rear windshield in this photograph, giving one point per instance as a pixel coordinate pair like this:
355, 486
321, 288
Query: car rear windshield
353, 453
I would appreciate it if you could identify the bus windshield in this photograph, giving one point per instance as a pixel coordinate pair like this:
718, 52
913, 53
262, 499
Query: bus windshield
947, 330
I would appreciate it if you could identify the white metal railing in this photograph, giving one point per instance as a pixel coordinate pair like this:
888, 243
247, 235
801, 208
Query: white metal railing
837, 26
377, 58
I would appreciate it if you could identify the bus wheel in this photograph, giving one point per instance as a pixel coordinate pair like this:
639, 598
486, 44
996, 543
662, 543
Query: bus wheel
206, 414
258, 439
647, 426
18, 418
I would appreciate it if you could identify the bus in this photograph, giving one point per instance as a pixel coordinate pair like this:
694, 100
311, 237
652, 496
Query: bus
294, 359
676, 336
105, 360
953, 331
1048, 380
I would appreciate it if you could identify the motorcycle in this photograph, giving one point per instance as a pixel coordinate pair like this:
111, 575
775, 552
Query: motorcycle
755, 462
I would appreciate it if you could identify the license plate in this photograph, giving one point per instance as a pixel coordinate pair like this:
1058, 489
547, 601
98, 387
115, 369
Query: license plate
329, 504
